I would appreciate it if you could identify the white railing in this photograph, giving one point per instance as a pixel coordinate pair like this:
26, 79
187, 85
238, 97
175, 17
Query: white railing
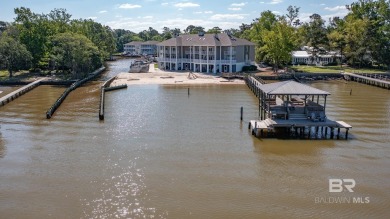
196, 61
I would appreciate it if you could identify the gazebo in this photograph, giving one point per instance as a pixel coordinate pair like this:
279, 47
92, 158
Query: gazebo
292, 109
291, 100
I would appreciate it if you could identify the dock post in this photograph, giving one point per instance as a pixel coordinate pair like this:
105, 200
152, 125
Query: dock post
346, 134
188, 91
242, 110
326, 132
338, 133
331, 133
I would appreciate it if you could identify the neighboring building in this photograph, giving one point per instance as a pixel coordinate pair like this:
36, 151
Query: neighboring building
141, 48
211, 53
323, 57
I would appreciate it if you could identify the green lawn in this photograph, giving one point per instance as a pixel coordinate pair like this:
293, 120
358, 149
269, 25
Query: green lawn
333, 69
3, 74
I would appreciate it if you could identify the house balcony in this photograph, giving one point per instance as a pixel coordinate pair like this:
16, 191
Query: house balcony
196, 61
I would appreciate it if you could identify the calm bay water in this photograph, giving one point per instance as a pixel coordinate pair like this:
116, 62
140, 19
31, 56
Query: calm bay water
163, 154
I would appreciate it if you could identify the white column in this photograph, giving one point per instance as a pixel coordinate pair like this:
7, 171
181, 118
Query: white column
176, 65
207, 59
220, 58
231, 57
215, 60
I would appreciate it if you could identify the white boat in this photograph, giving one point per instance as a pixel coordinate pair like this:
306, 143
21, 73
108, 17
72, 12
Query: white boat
139, 67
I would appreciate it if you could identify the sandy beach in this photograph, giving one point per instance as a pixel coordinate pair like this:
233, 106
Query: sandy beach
157, 76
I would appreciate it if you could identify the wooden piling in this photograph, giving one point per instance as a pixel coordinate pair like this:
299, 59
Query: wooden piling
242, 111
338, 133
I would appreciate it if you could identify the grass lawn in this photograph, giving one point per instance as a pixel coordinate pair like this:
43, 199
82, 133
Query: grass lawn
333, 69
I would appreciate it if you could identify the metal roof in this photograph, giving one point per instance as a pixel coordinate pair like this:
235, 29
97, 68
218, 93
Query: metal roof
220, 39
291, 88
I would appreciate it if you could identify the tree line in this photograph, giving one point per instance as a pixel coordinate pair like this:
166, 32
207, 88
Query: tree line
362, 37
54, 41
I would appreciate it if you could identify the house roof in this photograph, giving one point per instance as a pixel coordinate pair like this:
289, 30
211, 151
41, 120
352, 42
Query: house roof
142, 43
302, 54
221, 39
291, 88
305, 54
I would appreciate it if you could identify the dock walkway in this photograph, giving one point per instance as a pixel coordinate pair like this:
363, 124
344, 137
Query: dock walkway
300, 128
19, 92
367, 80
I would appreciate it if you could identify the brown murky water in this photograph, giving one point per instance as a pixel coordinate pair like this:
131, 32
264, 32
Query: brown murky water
162, 154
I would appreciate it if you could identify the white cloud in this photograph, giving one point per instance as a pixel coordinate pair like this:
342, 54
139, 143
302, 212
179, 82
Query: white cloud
203, 12
164, 3
227, 17
102, 12
138, 24
336, 8
238, 4
274, 2
129, 6
262, 2
186, 5
323, 4
276, 12
147, 17
234, 9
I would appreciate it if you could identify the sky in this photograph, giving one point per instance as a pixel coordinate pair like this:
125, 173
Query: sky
138, 15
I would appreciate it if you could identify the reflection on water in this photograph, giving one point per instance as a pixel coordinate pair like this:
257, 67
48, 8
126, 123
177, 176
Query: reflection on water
162, 154
3, 149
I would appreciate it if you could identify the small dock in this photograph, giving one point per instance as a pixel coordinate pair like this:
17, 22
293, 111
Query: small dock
19, 92
289, 109
298, 128
375, 79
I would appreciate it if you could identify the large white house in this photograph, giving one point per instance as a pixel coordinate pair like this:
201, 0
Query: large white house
209, 53
141, 48
305, 57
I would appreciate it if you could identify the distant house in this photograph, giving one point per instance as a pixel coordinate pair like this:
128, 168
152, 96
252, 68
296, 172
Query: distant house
323, 57
141, 48
209, 53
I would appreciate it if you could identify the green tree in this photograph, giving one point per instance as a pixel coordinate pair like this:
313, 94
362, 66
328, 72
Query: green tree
316, 34
278, 43
34, 32
292, 15
13, 55
214, 30
336, 35
265, 22
191, 29
76, 53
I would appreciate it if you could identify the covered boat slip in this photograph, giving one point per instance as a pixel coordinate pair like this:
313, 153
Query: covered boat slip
292, 109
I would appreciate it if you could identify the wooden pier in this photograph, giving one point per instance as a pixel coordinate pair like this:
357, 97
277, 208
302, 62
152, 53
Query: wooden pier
289, 109
103, 88
19, 92
377, 81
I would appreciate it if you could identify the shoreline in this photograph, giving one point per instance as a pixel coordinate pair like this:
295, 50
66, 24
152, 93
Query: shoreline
157, 76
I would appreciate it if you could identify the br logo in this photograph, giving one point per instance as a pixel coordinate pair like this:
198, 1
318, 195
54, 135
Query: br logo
338, 185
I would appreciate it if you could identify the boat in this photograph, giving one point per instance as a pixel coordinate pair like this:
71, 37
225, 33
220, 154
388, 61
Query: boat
139, 67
